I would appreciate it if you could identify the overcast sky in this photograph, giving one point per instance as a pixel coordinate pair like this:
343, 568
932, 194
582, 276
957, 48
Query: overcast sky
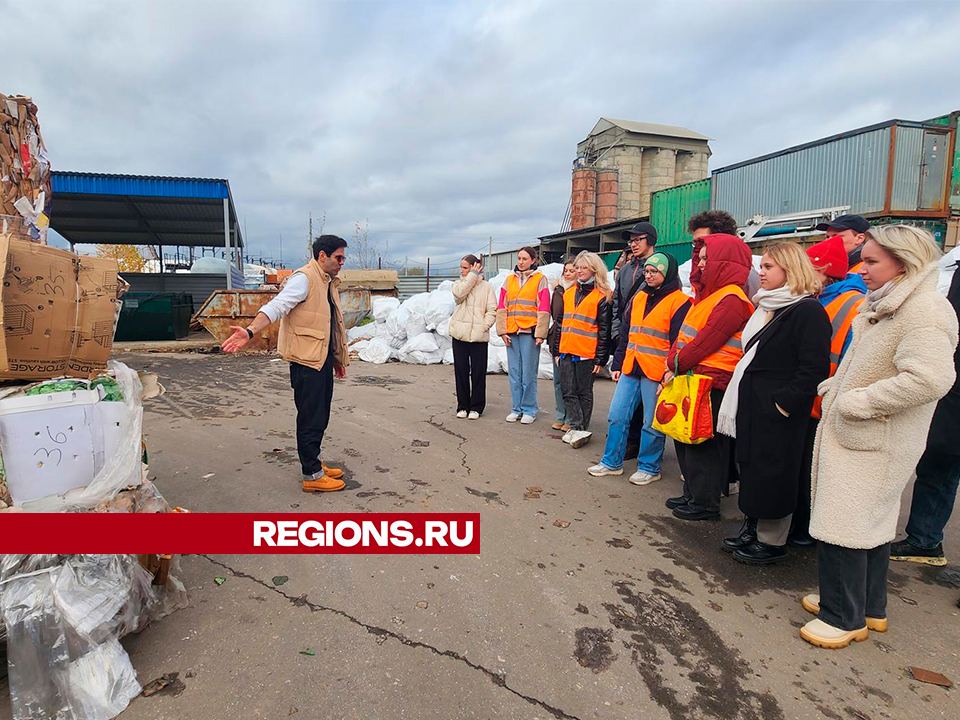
443, 123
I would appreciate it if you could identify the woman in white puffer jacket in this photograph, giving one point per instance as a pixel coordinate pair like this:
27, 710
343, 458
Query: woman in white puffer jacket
876, 413
474, 315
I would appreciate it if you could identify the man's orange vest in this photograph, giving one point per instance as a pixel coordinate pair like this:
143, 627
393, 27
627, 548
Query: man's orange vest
729, 354
841, 311
855, 270
522, 302
649, 340
579, 332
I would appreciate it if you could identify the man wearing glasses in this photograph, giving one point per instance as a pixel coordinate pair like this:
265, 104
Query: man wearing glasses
641, 239
312, 339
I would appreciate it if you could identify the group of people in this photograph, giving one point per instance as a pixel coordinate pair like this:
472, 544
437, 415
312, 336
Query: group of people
825, 368
832, 373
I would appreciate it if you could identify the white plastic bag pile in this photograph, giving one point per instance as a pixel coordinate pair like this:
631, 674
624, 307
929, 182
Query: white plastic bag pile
417, 330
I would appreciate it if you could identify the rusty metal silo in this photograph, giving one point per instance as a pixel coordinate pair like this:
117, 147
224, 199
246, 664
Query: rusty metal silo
608, 197
583, 199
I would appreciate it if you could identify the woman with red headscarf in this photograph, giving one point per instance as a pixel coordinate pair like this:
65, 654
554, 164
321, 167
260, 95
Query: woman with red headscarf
709, 344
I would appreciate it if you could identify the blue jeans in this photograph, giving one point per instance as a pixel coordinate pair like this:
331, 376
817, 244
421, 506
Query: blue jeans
523, 360
632, 391
558, 396
938, 476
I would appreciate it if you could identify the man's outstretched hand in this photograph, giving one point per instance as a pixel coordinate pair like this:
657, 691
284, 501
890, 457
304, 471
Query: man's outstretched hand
236, 341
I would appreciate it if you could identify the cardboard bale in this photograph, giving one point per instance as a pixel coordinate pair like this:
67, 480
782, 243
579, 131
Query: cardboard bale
58, 311
25, 189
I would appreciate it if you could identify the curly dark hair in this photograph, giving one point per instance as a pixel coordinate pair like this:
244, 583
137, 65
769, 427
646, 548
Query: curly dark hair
718, 221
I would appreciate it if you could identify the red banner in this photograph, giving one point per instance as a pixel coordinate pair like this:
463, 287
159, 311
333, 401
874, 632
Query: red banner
241, 533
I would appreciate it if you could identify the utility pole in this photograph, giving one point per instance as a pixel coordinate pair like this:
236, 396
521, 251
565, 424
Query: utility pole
405, 259
310, 238
428, 276
281, 249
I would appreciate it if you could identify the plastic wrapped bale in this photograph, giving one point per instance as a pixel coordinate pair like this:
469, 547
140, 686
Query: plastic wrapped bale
421, 350
948, 266
443, 329
448, 357
397, 323
440, 307
496, 359
362, 332
545, 367
383, 306
444, 342
377, 351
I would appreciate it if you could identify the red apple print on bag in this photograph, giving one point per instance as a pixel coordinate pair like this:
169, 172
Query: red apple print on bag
666, 412
685, 407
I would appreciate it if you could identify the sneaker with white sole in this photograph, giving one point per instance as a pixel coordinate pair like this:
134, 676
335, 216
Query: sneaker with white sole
513, 417
643, 478
528, 419
601, 470
567, 436
579, 438
474, 415
461, 414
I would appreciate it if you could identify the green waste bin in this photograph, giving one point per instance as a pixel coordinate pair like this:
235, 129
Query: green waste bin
155, 316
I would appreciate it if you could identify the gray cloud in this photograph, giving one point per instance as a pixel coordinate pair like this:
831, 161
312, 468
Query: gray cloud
443, 123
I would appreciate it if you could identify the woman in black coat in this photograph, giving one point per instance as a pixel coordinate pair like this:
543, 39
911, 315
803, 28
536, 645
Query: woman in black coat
767, 404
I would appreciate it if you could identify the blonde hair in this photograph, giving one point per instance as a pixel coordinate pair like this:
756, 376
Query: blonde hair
912, 247
593, 261
802, 278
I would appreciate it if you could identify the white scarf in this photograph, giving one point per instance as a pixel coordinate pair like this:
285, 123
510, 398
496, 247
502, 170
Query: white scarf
767, 301
875, 296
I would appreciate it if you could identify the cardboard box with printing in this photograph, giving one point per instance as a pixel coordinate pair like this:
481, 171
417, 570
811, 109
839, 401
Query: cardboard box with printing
59, 311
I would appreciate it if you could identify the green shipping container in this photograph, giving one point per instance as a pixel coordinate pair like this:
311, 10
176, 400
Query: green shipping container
951, 121
671, 210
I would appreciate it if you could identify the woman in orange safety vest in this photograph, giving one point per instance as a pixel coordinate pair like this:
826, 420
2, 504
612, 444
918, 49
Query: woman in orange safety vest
842, 295
651, 325
709, 344
523, 319
582, 343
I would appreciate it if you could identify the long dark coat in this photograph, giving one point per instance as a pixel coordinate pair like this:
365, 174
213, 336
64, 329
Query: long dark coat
945, 428
792, 358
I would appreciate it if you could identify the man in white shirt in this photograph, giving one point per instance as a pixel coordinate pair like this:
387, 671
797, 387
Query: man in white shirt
313, 340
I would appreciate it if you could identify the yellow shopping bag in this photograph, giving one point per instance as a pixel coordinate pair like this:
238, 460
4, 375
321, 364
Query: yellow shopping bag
683, 409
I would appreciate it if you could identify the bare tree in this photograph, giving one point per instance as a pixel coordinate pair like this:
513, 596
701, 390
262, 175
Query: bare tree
363, 253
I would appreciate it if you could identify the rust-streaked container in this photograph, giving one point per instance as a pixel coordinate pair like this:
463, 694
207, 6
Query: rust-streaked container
583, 199
608, 197
225, 308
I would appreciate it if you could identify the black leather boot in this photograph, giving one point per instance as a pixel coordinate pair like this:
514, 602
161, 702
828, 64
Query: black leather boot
758, 553
747, 535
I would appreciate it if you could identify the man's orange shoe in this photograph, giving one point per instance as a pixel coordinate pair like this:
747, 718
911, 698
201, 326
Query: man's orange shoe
335, 473
323, 484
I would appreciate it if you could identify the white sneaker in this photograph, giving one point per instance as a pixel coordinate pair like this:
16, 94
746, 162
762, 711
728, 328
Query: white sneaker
528, 419
643, 478
512, 417
601, 470
567, 436
461, 414
474, 415
580, 438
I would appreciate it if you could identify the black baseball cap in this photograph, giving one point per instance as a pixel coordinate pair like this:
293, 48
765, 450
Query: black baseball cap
857, 223
641, 228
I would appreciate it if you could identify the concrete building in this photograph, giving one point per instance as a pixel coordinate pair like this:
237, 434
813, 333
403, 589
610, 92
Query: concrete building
621, 163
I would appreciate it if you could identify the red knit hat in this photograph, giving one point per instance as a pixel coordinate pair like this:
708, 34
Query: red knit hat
830, 257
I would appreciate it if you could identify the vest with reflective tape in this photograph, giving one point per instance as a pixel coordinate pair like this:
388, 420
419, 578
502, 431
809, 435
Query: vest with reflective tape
730, 352
579, 331
522, 302
841, 311
649, 341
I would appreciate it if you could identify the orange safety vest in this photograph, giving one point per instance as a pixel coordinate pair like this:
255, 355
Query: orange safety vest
841, 311
730, 352
579, 332
649, 341
856, 268
522, 302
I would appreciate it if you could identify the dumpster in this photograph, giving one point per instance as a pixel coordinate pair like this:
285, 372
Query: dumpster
155, 316
225, 308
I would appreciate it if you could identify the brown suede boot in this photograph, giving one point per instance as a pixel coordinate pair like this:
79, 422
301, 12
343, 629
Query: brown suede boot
323, 484
332, 472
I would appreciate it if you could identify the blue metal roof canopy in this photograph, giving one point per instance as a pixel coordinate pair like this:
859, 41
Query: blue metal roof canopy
144, 210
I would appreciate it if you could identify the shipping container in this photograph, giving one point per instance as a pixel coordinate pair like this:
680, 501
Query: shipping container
951, 121
896, 167
671, 210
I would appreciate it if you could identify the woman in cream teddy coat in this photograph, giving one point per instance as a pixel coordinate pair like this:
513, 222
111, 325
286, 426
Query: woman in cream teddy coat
876, 414
475, 313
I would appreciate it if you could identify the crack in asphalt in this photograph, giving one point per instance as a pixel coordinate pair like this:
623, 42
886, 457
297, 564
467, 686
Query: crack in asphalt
300, 601
443, 428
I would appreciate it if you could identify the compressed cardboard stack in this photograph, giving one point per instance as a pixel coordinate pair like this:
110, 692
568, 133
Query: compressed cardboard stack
25, 191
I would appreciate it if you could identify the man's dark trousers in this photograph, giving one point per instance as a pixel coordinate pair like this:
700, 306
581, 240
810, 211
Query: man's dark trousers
312, 394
